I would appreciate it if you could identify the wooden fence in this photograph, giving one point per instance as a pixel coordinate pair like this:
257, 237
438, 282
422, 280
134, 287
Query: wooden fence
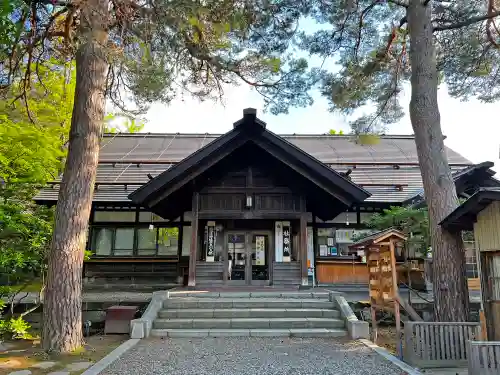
438, 344
484, 357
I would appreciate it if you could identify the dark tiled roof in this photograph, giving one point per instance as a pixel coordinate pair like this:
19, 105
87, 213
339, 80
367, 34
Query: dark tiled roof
465, 215
172, 148
129, 158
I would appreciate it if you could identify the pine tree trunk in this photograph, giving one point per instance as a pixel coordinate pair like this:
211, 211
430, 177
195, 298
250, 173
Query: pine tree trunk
451, 294
62, 310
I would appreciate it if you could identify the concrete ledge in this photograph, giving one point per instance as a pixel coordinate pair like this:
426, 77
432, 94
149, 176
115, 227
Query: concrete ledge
111, 357
396, 361
357, 329
141, 328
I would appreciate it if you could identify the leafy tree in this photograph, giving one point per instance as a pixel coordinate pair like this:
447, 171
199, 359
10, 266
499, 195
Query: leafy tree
150, 50
413, 222
383, 44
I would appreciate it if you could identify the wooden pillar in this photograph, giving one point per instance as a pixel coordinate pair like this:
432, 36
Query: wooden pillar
193, 249
303, 249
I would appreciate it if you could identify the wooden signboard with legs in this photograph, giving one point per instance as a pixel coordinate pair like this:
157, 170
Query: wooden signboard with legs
380, 257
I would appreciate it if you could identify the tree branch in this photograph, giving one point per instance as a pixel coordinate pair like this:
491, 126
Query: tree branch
468, 22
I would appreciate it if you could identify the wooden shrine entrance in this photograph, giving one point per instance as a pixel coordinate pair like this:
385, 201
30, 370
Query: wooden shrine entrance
248, 174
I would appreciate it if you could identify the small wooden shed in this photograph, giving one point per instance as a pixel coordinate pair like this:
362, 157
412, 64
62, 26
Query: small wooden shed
379, 249
481, 213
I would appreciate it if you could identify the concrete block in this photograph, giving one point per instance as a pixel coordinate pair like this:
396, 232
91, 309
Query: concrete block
332, 294
229, 333
137, 329
212, 323
358, 329
232, 313
250, 323
270, 332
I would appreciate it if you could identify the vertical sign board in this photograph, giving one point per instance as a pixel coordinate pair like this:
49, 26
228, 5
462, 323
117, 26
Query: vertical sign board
310, 252
287, 244
278, 235
211, 244
260, 251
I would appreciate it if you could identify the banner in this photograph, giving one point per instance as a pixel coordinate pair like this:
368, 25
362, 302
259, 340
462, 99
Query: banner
211, 244
287, 241
278, 235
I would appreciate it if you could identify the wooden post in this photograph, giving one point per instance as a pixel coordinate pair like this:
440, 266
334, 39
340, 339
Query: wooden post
394, 296
193, 250
303, 249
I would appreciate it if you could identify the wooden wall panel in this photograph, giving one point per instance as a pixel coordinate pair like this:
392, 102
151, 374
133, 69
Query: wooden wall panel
342, 273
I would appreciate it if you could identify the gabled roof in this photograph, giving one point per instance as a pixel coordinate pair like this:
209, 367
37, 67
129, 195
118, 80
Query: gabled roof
248, 130
378, 237
465, 215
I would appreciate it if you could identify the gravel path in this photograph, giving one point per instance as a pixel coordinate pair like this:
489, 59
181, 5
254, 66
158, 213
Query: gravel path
251, 356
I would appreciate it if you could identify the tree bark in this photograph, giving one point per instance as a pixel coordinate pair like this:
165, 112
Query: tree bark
451, 296
62, 311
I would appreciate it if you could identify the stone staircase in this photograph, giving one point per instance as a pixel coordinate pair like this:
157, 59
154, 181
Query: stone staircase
220, 314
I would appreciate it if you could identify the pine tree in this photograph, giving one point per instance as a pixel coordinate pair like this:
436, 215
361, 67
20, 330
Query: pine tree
381, 45
149, 50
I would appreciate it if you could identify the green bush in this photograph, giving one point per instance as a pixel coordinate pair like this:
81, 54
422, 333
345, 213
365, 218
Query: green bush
14, 328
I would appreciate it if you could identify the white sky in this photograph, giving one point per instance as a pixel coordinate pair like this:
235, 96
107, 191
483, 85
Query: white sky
470, 127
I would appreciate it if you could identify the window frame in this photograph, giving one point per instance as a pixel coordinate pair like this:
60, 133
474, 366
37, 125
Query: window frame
135, 246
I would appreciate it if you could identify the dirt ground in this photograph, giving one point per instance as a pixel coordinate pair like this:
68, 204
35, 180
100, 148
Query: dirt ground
387, 338
22, 355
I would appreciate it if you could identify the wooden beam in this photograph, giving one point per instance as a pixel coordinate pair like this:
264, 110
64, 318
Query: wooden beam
193, 250
303, 249
396, 302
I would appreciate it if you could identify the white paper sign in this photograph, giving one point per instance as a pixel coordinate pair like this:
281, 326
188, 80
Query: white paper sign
278, 235
260, 250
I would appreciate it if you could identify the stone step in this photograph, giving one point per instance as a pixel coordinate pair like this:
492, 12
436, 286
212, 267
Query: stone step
248, 323
248, 313
243, 294
246, 303
309, 332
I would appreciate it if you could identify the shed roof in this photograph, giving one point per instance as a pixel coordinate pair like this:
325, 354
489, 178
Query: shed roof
377, 237
465, 215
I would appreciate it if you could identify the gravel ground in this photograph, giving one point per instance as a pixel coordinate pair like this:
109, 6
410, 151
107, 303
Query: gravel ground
251, 356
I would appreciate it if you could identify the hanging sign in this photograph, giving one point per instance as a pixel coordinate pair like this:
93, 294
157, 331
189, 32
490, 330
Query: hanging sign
260, 251
211, 244
287, 244
278, 235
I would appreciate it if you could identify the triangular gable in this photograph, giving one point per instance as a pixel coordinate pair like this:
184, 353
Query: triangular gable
248, 130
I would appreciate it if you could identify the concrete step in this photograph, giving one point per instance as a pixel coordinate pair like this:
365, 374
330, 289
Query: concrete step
246, 303
243, 294
248, 313
309, 332
248, 323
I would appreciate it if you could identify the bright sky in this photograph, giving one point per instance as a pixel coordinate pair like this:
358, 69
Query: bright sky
470, 127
